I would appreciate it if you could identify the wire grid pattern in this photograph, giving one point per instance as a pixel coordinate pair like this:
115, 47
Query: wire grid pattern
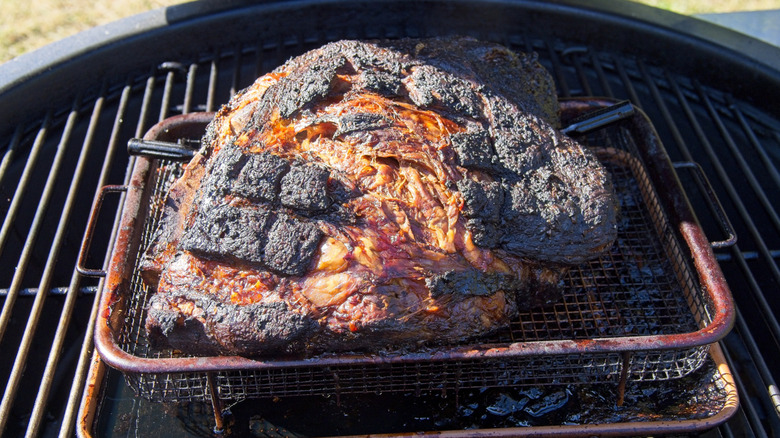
418, 378
662, 365
132, 335
170, 387
642, 286
421, 378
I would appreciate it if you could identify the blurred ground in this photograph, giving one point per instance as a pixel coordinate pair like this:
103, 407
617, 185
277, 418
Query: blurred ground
26, 25
690, 7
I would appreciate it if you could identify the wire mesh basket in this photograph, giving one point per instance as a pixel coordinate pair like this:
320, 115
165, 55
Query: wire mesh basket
647, 310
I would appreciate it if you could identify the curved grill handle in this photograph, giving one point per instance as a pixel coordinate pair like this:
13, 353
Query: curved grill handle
715, 204
86, 243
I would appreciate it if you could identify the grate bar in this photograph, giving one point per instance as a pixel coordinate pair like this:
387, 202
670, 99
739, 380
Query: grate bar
10, 298
728, 185
213, 75
69, 207
560, 79
755, 290
85, 355
747, 255
607, 89
572, 54
757, 146
754, 420
10, 152
772, 400
48, 192
59, 290
725, 430
145, 105
235, 81
765, 309
740, 159
259, 58
166, 99
187, 106
627, 83
21, 190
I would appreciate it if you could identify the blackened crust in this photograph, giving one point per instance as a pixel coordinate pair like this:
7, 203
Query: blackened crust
344, 193
229, 328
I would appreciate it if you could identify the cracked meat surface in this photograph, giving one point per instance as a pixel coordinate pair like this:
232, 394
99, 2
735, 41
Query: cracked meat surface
369, 195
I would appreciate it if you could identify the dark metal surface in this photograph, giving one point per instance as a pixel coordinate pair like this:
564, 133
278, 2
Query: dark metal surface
712, 95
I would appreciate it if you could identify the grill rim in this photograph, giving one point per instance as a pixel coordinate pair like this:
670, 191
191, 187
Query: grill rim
720, 54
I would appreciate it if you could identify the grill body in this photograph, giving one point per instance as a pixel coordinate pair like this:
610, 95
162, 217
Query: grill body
68, 111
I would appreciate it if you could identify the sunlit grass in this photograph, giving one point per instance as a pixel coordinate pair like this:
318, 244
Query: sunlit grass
711, 6
26, 25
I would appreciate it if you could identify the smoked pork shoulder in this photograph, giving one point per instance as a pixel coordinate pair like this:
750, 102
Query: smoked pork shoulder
366, 196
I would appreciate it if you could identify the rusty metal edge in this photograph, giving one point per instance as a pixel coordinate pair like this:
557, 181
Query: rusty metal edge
90, 400
659, 170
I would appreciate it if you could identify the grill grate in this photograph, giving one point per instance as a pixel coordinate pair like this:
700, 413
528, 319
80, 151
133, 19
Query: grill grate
738, 146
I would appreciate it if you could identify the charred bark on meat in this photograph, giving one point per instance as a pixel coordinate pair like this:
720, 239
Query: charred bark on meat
375, 194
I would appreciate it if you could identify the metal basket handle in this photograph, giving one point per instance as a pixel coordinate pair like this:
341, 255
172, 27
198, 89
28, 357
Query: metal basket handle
86, 243
714, 203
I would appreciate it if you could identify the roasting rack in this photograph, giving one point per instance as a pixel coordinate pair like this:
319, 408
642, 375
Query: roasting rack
648, 310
